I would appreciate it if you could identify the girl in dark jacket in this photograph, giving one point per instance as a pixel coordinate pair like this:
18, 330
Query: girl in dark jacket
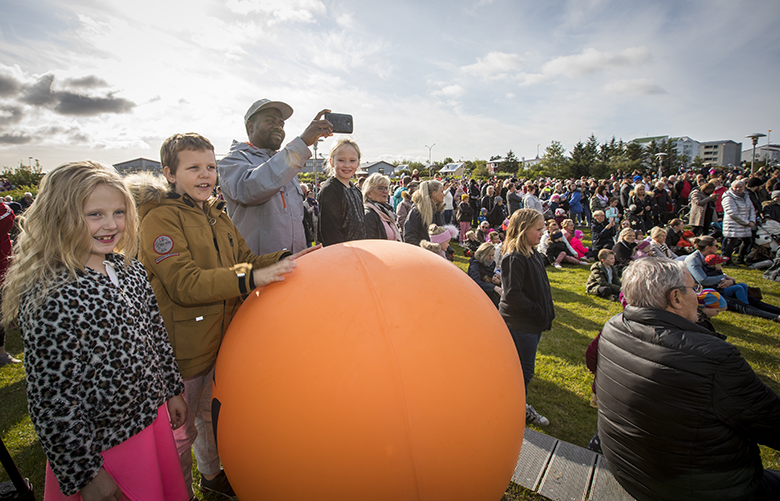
526, 298
624, 249
428, 209
482, 270
465, 215
341, 203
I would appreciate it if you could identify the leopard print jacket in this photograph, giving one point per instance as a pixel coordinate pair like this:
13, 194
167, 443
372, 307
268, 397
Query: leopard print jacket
99, 365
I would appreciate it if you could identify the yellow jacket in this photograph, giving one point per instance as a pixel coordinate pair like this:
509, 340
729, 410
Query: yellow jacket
199, 267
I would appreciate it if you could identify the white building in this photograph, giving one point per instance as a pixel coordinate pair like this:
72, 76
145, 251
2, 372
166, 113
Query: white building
138, 165
455, 169
766, 152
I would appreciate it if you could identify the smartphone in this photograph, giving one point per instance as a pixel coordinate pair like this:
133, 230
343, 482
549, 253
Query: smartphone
342, 124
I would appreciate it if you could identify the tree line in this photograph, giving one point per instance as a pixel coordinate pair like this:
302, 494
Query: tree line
589, 159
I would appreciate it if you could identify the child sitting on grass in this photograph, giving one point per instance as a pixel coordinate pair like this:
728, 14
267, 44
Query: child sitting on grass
603, 280
440, 239
471, 243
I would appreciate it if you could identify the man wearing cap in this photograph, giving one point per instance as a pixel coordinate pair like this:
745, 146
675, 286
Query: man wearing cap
260, 182
681, 412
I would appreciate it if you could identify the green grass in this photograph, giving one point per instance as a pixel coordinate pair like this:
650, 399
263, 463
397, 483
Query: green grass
561, 388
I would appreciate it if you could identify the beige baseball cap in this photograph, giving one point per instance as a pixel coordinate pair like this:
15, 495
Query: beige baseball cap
284, 108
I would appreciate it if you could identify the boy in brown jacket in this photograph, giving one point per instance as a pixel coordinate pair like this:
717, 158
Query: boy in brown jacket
199, 267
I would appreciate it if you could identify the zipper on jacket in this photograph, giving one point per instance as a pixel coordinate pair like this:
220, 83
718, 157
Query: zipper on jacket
215, 244
231, 239
284, 203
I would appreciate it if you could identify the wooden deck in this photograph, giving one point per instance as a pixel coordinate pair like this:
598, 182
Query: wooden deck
565, 472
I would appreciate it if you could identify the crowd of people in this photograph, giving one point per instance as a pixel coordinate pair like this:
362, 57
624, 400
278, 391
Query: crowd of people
137, 280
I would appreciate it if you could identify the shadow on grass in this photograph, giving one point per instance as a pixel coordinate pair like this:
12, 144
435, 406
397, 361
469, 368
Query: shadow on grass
571, 418
14, 398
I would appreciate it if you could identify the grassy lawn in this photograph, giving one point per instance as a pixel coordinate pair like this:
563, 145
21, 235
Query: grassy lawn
561, 388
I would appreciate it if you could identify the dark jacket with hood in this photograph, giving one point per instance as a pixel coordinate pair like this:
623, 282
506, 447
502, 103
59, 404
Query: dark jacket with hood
681, 413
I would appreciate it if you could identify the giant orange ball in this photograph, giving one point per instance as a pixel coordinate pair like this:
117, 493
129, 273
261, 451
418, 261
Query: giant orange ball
377, 370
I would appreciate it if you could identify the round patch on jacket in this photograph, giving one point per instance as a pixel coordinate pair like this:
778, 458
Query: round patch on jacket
163, 244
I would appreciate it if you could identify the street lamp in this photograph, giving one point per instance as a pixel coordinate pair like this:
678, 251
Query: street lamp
314, 169
429, 152
754, 136
660, 157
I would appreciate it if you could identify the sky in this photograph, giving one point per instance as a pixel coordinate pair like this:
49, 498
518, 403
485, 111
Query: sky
109, 80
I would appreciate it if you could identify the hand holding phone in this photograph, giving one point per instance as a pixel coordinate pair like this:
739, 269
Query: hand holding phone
342, 124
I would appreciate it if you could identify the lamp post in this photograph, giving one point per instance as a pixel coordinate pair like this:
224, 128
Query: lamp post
660, 157
754, 136
314, 169
429, 152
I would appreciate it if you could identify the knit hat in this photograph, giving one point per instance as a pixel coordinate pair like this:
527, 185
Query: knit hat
464, 197
708, 298
450, 232
556, 235
775, 194
714, 259
578, 234
754, 181
637, 178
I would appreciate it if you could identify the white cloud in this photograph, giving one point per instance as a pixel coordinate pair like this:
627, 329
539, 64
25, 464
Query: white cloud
589, 61
495, 65
638, 87
302, 11
450, 91
592, 60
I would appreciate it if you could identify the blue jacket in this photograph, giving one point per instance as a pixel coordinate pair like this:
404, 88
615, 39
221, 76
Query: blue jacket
575, 202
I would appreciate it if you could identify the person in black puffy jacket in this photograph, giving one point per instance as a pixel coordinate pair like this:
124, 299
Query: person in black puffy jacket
681, 413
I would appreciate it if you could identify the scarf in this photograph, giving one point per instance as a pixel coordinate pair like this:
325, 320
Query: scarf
386, 215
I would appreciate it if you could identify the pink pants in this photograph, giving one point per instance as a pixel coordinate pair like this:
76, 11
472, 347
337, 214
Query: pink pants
145, 466
464, 227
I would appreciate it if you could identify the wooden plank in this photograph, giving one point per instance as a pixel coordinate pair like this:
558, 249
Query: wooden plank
569, 473
604, 486
534, 457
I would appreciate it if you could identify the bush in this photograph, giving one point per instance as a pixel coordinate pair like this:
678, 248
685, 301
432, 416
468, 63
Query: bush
18, 193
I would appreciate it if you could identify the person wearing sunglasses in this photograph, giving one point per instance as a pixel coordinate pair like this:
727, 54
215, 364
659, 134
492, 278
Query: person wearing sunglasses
681, 412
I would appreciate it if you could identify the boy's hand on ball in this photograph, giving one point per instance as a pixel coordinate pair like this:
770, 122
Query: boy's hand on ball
273, 273
305, 251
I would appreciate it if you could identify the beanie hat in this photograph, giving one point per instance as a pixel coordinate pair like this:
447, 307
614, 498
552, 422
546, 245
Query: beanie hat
708, 298
754, 181
714, 259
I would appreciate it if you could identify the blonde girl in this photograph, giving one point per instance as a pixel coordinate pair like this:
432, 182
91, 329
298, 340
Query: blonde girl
526, 299
341, 202
98, 360
428, 209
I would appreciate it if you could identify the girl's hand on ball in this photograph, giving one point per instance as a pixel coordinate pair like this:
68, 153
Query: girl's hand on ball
273, 273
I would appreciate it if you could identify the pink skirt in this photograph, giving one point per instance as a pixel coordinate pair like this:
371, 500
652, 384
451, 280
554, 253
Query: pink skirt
145, 466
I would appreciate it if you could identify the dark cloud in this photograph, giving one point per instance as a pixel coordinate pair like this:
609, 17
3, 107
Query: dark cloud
71, 103
11, 114
14, 139
76, 104
88, 82
39, 93
9, 86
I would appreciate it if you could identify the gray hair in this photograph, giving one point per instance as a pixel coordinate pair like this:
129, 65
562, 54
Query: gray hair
374, 180
647, 282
